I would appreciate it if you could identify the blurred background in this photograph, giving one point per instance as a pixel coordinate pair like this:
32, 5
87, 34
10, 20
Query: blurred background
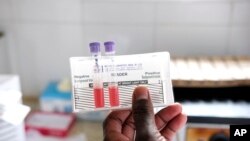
37, 37
41, 35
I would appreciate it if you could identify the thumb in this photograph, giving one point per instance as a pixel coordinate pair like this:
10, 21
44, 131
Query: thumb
143, 115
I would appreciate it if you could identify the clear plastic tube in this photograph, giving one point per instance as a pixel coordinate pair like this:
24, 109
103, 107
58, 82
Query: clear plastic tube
97, 75
113, 84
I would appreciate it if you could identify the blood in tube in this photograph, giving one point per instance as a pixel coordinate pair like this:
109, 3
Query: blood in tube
114, 96
99, 97
97, 76
112, 85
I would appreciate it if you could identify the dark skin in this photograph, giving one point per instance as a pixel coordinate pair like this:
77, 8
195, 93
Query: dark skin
162, 126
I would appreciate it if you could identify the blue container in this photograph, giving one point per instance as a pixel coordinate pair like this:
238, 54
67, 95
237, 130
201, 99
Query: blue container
53, 99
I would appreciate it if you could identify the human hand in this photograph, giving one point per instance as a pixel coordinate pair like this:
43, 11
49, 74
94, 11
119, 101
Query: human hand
141, 124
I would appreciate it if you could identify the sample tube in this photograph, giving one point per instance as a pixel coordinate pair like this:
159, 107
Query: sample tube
97, 75
112, 85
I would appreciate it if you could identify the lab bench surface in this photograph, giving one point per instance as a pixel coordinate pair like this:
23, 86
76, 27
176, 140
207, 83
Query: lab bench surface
91, 129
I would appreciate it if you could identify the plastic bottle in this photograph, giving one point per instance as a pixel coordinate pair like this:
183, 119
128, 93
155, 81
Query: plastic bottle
97, 75
112, 85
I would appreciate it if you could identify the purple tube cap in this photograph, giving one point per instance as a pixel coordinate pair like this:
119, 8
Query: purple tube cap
94, 47
109, 46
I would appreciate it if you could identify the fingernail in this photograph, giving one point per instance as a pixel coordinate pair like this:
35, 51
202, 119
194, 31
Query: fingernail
141, 92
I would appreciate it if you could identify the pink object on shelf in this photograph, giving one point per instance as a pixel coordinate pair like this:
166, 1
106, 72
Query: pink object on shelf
50, 123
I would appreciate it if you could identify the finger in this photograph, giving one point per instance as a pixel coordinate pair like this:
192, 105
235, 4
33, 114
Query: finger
114, 121
167, 114
173, 126
129, 128
142, 110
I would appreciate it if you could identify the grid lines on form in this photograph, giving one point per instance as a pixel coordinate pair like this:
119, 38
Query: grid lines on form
84, 98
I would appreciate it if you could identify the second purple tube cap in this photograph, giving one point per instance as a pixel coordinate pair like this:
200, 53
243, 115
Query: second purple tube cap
109, 46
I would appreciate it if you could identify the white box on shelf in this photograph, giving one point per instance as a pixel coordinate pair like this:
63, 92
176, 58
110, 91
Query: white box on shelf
12, 112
